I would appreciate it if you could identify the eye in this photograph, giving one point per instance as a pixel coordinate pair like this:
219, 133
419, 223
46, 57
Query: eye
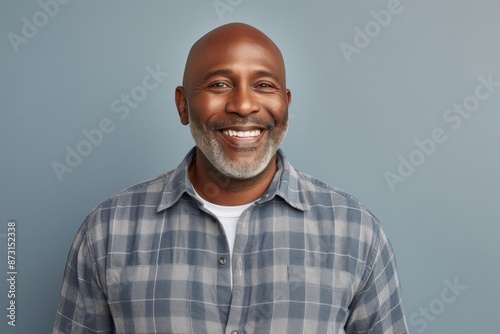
265, 86
219, 85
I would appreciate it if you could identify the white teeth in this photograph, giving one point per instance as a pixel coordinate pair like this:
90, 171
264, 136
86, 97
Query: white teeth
242, 134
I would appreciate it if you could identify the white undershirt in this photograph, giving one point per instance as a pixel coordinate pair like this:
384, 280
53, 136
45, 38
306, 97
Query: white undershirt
228, 217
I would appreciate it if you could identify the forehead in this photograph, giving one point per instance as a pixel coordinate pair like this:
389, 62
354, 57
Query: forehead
236, 53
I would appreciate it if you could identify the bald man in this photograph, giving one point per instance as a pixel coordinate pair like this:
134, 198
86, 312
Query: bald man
235, 240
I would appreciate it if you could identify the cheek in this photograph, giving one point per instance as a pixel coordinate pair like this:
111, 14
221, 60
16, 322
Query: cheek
278, 109
204, 109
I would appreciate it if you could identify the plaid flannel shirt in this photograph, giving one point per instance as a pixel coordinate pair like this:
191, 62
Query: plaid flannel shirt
307, 258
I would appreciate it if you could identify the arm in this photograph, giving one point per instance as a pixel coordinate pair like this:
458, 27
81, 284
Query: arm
83, 306
377, 308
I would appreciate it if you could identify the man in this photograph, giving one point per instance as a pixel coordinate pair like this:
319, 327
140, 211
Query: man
235, 240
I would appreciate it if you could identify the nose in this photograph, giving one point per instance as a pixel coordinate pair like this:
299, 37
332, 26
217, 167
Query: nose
242, 101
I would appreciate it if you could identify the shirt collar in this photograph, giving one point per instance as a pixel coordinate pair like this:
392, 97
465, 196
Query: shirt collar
177, 183
285, 184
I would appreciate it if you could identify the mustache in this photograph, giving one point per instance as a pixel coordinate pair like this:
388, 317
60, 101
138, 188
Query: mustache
238, 120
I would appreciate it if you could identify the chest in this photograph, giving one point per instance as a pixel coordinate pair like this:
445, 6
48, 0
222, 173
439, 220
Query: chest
287, 272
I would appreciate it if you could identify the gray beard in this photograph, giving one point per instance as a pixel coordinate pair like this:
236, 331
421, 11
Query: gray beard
241, 171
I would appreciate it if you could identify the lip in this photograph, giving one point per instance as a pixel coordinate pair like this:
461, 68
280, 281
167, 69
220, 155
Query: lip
242, 143
242, 128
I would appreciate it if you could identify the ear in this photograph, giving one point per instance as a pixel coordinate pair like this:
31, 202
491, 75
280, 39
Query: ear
288, 97
182, 105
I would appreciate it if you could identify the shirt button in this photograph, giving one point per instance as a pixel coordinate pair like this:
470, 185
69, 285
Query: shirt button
223, 261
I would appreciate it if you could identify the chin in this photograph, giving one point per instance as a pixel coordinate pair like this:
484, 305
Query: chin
242, 170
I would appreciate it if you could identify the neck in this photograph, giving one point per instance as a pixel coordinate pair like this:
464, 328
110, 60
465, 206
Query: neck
220, 189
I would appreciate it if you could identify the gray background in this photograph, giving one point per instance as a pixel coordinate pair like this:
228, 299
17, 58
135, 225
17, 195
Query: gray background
352, 118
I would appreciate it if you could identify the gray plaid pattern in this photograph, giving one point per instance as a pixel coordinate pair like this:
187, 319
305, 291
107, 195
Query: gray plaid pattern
307, 258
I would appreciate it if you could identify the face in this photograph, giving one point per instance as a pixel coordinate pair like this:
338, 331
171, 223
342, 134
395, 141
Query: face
236, 104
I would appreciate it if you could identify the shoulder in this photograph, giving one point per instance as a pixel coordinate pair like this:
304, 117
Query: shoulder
333, 206
144, 194
313, 185
320, 194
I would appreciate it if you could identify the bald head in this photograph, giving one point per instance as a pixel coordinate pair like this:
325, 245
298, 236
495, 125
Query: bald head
221, 41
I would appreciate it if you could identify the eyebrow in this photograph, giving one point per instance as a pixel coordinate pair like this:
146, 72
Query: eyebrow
226, 71
223, 71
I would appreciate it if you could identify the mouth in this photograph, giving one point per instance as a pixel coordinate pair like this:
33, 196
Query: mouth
242, 133
243, 138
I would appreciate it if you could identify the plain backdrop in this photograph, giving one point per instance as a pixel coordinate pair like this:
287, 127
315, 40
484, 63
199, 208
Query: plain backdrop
391, 103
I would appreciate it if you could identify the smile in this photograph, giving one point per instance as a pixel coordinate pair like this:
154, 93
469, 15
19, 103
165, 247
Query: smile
242, 134
240, 138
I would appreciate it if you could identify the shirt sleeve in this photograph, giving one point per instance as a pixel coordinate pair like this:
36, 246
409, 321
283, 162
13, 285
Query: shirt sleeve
377, 306
82, 306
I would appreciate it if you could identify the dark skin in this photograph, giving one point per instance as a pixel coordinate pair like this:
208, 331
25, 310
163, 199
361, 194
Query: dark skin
234, 72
